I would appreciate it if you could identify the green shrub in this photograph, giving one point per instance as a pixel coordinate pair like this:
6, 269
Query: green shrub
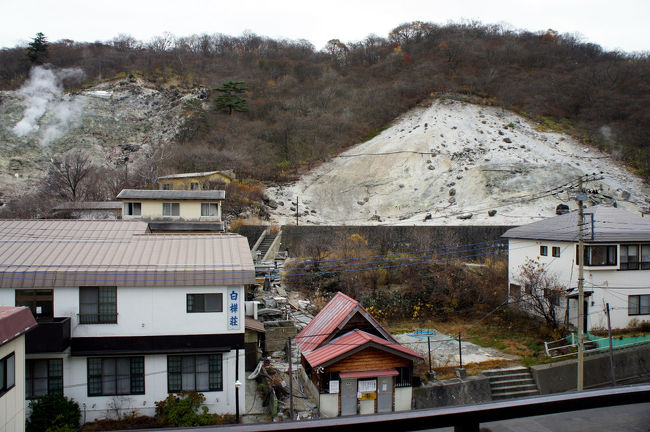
184, 409
53, 413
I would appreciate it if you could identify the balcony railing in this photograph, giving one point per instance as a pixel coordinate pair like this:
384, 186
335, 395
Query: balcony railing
51, 335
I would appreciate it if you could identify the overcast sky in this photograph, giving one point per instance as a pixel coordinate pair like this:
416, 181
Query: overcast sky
620, 24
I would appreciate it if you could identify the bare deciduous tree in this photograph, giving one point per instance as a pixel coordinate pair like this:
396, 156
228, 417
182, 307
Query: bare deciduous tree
65, 174
541, 292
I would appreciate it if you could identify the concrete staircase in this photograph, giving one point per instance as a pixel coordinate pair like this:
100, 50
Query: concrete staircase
511, 383
266, 243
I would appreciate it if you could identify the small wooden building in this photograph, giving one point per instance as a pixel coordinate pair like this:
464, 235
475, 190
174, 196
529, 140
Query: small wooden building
357, 366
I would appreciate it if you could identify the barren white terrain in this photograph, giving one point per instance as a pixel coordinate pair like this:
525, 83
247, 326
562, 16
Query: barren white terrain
456, 163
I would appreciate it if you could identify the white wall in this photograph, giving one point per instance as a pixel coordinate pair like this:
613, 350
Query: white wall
155, 369
146, 311
12, 403
329, 405
609, 285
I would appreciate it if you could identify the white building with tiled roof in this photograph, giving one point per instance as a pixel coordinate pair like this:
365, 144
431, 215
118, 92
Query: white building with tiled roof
616, 262
125, 316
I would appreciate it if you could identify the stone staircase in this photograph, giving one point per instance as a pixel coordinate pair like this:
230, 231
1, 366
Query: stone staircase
511, 383
266, 243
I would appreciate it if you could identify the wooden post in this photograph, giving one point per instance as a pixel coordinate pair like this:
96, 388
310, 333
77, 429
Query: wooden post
429, 343
611, 348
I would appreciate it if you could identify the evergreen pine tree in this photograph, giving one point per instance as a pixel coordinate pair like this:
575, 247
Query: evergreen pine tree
231, 98
37, 49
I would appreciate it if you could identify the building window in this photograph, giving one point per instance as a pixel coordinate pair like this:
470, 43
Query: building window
404, 379
165, 186
194, 186
43, 376
635, 257
638, 304
115, 376
209, 209
204, 303
171, 209
133, 209
194, 373
543, 250
330, 382
7, 373
598, 255
98, 305
555, 251
40, 302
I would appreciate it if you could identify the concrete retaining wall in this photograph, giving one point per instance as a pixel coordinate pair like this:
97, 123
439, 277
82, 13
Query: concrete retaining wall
472, 390
297, 239
630, 363
276, 334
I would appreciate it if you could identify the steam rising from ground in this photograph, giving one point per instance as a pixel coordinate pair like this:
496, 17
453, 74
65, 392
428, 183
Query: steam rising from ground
48, 111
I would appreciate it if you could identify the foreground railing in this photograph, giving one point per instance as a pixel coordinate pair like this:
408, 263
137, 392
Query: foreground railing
555, 349
463, 418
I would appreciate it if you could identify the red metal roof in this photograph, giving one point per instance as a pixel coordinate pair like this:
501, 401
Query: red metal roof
368, 374
14, 321
350, 343
334, 316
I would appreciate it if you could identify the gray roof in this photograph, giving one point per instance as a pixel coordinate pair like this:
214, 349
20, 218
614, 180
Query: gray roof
170, 195
58, 253
90, 205
608, 225
228, 173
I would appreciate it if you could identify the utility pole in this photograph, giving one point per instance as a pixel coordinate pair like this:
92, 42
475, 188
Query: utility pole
611, 348
581, 292
429, 344
290, 377
297, 213
460, 352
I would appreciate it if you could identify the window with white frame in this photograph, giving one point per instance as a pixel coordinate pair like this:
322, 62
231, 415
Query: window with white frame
194, 373
635, 256
205, 302
7, 373
638, 304
171, 209
132, 209
209, 209
605, 255
43, 376
115, 376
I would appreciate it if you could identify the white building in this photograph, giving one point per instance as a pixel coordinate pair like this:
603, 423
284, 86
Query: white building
14, 322
616, 262
127, 317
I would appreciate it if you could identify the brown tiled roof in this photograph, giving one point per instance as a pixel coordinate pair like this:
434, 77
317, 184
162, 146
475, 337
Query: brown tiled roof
121, 253
254, 325
14, 321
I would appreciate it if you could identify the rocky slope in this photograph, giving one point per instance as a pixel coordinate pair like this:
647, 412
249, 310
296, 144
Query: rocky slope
455, 163
112, 121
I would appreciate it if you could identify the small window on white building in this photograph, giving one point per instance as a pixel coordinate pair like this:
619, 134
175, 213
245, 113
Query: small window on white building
171, 209
133, 209
555, 251
209, 209
543, 250
638, 304
205, 303
7, 373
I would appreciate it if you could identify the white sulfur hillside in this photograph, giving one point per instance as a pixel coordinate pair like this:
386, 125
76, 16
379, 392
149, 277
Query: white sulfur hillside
452, 163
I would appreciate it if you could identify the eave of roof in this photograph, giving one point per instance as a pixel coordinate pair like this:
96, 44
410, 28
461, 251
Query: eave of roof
353, 342
155, 194
14, 321
602, 224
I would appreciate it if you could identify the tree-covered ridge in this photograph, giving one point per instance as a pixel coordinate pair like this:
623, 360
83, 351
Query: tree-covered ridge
303, 104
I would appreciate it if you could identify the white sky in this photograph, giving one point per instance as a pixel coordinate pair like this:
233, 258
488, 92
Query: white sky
620, 24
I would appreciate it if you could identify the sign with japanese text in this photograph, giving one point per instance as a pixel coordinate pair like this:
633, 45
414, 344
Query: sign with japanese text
234, 303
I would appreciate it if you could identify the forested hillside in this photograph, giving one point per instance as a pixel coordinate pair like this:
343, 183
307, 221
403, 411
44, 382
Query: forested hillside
303, 104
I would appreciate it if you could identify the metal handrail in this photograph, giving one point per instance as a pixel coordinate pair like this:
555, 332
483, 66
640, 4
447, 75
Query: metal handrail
463, 418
